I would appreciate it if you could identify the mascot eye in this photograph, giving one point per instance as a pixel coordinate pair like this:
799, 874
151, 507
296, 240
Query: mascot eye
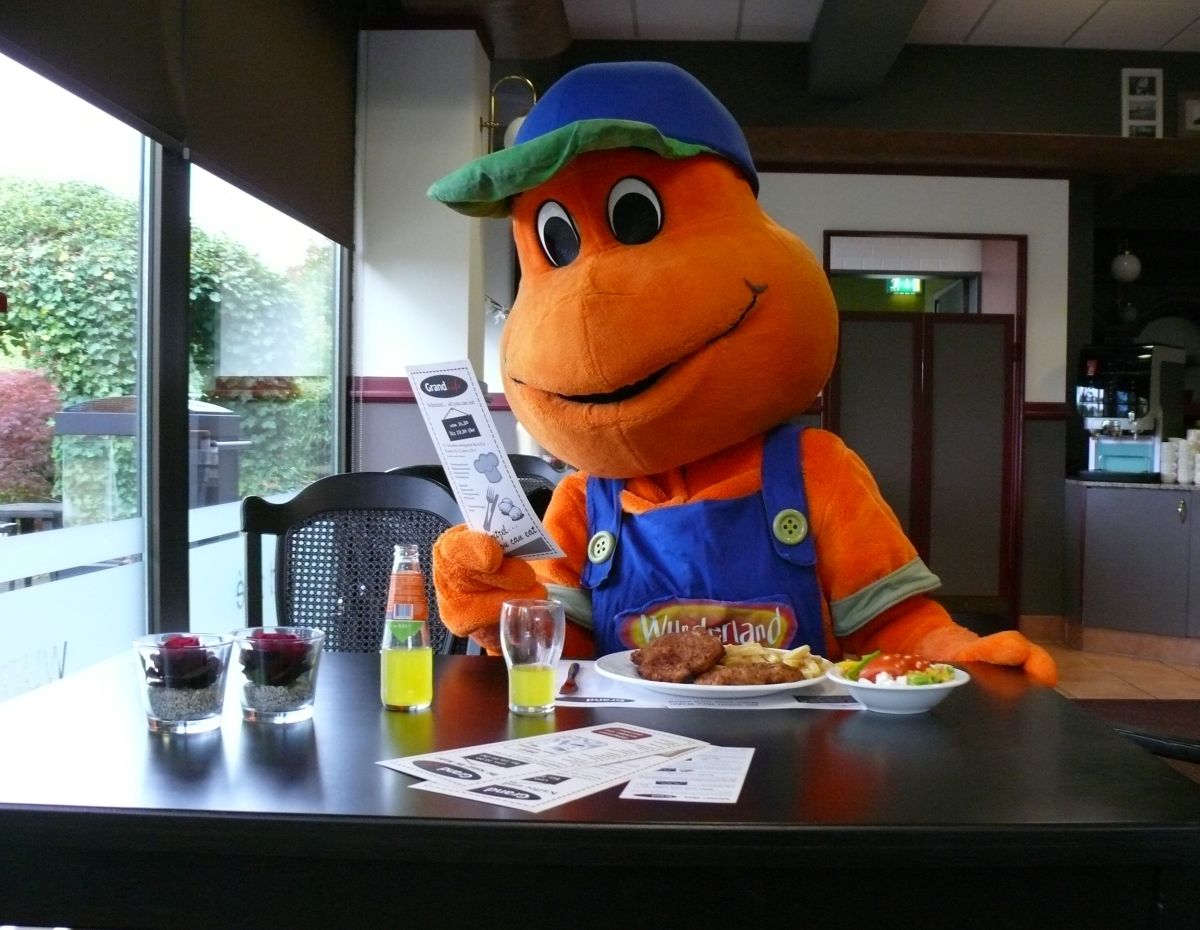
634, 211
556, 229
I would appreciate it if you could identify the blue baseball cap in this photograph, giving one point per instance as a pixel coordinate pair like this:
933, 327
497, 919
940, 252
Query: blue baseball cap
628, 104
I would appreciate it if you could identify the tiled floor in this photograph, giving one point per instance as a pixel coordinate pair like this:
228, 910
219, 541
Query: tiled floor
1098, 675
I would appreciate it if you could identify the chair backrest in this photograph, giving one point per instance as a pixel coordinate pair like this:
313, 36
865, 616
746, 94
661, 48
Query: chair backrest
433, 472
333, 555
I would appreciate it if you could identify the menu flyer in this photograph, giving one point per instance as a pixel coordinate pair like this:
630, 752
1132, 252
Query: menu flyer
711, 776
464, 434
539, 772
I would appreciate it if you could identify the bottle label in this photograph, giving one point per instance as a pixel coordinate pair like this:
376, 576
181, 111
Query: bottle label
403, 630
406, 591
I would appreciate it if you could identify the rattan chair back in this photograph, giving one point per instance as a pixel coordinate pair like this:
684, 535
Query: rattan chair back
333, 553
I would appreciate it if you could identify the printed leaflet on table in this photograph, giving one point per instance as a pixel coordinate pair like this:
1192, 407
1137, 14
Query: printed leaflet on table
539, 772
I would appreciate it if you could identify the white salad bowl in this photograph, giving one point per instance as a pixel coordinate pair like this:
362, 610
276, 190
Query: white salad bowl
898, 699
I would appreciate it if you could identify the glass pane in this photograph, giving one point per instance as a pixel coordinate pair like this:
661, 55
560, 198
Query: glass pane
70, 492
264, 311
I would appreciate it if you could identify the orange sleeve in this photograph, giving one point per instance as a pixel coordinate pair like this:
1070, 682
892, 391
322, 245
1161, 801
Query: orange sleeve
566, 522
860, 543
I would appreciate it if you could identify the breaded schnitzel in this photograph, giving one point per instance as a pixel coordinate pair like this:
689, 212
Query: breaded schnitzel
678, 657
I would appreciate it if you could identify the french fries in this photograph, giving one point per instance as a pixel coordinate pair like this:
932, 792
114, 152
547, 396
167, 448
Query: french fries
802, 658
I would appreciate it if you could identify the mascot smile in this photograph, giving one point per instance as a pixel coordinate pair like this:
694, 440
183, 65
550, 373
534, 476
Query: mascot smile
664, 334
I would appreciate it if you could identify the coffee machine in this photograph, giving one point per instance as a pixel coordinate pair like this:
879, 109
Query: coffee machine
1130, 399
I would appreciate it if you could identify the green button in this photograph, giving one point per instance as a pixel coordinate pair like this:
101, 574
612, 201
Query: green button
789, 526
600, 547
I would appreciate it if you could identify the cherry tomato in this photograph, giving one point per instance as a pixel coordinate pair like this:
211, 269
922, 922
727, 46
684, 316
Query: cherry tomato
894, 664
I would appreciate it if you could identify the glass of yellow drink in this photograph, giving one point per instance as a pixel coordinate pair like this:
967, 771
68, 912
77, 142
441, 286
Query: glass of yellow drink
406, 678
531, 638
406, 665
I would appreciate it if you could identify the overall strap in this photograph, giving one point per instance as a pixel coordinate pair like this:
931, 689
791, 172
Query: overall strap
604, 516
783, 495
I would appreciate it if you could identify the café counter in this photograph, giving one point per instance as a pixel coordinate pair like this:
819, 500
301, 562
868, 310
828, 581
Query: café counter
1004, 806
1132, 561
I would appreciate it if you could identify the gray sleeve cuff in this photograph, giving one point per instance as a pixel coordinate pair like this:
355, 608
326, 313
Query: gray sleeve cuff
850, 613
577, 603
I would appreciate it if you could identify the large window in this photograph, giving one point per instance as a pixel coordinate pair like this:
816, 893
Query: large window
86, 243
71, 524
262, 349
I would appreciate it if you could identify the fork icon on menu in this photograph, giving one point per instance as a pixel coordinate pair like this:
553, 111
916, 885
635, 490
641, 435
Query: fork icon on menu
492, 497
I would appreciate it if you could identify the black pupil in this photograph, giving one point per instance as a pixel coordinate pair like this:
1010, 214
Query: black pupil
562, 245
634, 219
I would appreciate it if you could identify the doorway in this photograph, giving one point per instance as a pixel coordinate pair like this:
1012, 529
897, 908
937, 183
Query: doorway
927, 389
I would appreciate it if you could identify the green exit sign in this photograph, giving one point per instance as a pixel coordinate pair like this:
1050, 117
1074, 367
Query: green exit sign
904, 285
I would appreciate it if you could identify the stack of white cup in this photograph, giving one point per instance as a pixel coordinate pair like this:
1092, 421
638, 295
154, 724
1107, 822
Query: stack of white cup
1186, 468
1168, 461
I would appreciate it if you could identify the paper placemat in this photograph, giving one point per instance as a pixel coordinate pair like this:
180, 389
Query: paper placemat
596, 690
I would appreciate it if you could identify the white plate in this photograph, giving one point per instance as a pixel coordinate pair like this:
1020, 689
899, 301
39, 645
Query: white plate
898, 699
619, 667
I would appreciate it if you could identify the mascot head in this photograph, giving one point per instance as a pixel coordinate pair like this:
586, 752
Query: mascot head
661, 315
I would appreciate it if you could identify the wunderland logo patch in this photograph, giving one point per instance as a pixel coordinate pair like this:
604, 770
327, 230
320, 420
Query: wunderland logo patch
770, 623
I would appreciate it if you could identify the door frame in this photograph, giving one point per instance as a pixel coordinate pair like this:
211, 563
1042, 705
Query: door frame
921, 469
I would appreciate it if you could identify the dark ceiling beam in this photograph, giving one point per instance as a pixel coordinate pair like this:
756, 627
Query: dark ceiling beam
980, 154
510, 28
854, 44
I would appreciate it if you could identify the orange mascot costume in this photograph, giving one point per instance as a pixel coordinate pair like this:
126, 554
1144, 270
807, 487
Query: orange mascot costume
664, 332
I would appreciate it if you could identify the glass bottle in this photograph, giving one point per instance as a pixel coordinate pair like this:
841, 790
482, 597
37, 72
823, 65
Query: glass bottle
405, 655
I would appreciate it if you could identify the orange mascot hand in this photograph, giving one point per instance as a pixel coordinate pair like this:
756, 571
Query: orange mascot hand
920, 627
473, 578
1011, 648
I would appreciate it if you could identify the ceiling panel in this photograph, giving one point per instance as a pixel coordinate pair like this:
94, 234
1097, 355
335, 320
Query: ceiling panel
1137, 24
1186, 41
947, 22
778, 20
1033, 23
694, 21
591, 20
1169, 25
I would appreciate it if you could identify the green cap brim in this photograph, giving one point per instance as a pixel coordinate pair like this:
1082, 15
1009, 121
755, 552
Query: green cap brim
485, 186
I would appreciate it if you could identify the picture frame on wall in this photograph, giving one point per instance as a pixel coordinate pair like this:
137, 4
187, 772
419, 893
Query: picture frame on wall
1189, 114
1141, 103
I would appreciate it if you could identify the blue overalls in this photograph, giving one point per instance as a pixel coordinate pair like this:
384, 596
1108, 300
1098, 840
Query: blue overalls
745, 567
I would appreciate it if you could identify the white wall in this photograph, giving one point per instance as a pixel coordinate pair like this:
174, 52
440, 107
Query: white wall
903, 255
418, 281
809, 204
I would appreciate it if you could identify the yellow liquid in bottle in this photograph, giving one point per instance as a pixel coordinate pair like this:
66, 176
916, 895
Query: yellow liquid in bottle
406, 678
530, 685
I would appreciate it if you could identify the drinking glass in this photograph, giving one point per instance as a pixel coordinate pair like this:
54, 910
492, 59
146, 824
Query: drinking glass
531, 637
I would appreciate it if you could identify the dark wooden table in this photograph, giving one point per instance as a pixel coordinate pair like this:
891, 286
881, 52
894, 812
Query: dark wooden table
1005, 806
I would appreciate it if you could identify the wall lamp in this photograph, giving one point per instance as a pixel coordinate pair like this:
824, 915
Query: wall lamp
491, 124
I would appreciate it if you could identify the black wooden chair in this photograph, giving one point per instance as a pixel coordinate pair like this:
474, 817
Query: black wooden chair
433, 472
333, 555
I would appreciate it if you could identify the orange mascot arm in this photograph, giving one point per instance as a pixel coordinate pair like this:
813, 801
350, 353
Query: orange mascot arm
473, 577
874, 580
